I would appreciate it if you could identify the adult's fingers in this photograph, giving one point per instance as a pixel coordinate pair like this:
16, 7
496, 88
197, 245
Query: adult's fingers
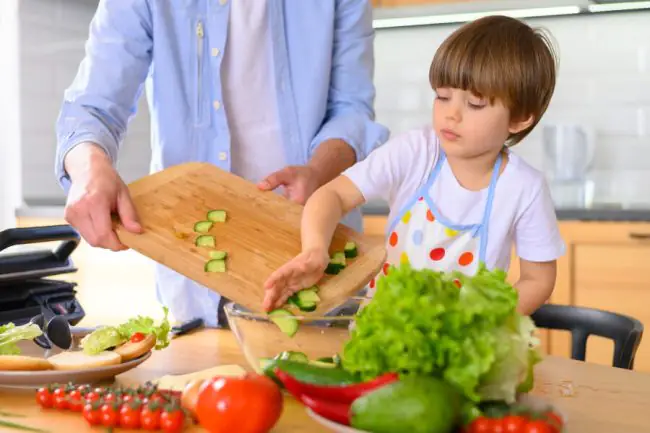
276, 179
127, 213
100, 214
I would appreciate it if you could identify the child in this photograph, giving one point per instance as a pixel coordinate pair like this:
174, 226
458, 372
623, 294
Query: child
457, 195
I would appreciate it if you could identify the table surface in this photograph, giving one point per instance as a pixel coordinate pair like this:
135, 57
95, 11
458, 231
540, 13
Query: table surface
596, 399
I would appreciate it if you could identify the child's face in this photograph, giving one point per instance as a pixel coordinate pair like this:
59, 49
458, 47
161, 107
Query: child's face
469, 126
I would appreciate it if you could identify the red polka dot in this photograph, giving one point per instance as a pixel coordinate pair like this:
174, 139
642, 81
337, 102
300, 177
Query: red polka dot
430, 216
465, 259
372, 283
457, 283
437, 254
386, 266
393, 239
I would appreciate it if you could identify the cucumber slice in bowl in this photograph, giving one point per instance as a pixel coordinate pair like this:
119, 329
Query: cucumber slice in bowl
285, 320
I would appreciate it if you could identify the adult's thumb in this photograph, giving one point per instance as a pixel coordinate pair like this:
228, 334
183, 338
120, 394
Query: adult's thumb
275, 180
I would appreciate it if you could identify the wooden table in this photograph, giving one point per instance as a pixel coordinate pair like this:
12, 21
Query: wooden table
596, 399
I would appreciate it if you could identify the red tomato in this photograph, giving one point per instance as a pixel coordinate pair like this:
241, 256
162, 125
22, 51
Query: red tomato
60, 401
44, 397
514, 423
75, 401
555, 420
91, 414
92, 397
138, 336
109, 415
249, 404
172, 421
130, 416
150, 417
486, 425
538, 426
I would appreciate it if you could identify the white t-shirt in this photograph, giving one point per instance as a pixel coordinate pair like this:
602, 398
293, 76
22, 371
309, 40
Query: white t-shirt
250, 102
523, 213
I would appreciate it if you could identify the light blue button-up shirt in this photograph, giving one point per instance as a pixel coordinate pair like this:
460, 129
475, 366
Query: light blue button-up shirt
322, 54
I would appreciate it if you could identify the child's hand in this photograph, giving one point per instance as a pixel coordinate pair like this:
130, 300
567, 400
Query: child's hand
303, 271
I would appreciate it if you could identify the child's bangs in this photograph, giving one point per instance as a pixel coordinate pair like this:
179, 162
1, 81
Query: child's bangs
472, 65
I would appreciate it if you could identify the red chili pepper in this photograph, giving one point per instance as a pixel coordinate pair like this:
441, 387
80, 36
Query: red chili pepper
333, 411
337, 393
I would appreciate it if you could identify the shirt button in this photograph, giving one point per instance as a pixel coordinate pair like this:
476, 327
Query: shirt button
223, 156
215, 52
216, 105
223, 2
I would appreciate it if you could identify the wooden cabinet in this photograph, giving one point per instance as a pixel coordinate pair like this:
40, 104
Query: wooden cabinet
607, 266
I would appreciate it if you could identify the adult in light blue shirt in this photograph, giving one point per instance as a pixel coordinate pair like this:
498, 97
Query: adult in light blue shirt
277, 91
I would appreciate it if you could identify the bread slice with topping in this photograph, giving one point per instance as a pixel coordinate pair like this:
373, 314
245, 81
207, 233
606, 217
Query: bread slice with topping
135, 349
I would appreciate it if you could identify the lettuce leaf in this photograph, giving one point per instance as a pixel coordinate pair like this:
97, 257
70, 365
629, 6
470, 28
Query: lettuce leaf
420, 323
10, 334
107, 337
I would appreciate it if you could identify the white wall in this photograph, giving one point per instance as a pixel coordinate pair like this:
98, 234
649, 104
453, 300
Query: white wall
604, 81
10, 166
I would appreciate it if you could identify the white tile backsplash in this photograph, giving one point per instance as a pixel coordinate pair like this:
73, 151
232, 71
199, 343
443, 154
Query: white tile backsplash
604, 81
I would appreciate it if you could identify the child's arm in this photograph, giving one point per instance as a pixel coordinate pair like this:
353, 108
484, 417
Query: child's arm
535, 285
321, 215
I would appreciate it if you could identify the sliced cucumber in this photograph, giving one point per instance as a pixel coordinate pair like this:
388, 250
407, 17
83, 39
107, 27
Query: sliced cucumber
350, 250
218, 255
215, 266
293, 356
217, 216
285, 320
333, 268
305, 300
203, 226
339, 257
205, 241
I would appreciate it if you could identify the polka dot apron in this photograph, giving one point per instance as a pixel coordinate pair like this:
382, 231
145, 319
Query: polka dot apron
421, 236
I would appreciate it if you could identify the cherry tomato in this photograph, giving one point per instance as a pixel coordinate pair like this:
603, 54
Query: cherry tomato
138, 336
249, 404
60, 399
150, 417
91, 414
75, 401
109, 415
172, 421
538, 426
514, 423
44, 397
130, 416
555, 420
92, 396
486, 425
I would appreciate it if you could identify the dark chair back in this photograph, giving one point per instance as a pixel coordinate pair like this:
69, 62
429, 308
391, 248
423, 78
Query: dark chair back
625, 331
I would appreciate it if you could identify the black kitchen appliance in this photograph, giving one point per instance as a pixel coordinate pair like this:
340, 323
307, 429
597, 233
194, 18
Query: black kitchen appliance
26, 289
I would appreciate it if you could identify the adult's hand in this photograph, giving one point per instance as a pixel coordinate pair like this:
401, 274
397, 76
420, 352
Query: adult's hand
96, 192
299, 182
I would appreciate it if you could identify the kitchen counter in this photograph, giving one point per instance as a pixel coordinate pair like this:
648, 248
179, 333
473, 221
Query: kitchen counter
596, 399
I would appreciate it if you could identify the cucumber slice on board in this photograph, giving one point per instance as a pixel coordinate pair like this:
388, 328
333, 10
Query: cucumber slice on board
203, 226
215, 266
217, 216
350, 250
205, 241
218, 255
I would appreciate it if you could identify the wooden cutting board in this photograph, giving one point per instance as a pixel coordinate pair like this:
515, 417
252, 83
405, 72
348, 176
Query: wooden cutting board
261, 233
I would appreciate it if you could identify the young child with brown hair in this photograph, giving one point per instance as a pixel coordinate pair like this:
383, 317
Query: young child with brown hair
458, 196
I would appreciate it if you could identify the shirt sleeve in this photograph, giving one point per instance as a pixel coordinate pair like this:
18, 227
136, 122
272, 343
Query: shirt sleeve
100, 102
537, 234
350, 114
382, 174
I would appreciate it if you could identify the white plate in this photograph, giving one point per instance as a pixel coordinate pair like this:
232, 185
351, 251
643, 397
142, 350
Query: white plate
35, 379
334, 426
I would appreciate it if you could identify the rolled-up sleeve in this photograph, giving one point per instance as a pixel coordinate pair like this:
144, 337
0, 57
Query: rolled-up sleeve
350, 113
103, 96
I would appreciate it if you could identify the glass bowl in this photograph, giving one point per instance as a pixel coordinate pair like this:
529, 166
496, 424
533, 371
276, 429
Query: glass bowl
318, 336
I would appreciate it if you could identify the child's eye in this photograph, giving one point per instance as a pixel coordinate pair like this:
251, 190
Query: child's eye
476, 106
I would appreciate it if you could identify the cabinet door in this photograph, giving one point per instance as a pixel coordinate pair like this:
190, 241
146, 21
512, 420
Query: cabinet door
614, 277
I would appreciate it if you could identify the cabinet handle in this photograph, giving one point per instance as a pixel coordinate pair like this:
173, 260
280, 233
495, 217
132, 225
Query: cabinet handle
640, 236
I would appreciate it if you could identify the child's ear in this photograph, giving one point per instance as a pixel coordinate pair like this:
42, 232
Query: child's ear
520, 125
